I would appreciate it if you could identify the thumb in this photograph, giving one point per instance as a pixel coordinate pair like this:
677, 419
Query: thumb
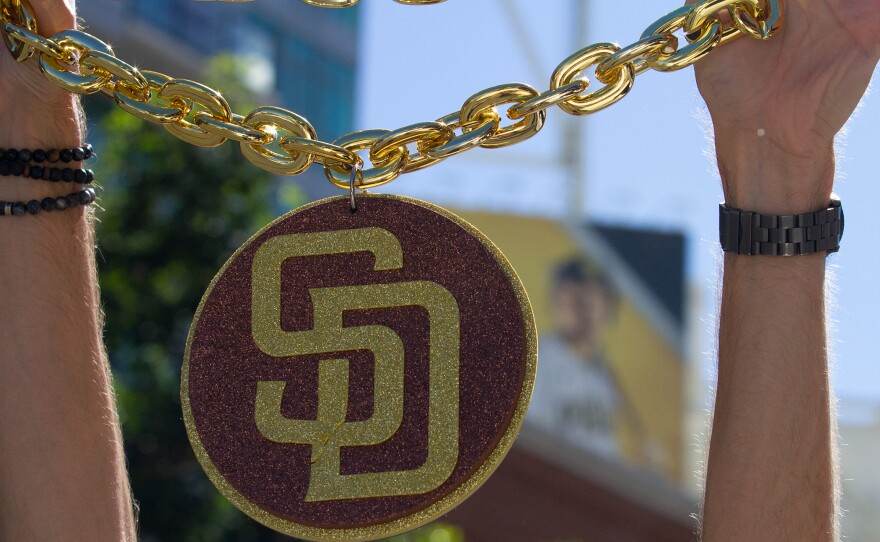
53, 16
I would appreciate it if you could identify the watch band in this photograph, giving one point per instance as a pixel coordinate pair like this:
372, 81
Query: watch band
752, 234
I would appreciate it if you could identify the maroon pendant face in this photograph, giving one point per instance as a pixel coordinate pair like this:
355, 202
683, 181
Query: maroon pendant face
350, 376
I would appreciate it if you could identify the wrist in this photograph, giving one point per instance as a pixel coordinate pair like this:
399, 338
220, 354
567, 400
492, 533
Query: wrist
35, 112
761, 176
56, 123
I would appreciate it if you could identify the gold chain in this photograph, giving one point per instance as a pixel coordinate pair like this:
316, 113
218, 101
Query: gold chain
285, 143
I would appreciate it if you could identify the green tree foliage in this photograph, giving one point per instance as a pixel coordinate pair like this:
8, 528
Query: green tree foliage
437, 532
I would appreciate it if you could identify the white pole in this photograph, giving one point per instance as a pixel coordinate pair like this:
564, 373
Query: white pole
574, 134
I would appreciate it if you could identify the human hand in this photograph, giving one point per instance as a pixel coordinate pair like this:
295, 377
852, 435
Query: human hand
777, 105
35, 111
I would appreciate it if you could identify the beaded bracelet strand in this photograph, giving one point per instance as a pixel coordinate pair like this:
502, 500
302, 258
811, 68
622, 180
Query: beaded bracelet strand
33, 207
46, 173
76, 154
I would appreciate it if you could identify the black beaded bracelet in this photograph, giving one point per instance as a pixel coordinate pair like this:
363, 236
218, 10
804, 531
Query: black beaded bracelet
76, 154
46, 173
34, 206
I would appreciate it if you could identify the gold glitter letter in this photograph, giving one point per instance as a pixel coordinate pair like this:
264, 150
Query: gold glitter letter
330, 432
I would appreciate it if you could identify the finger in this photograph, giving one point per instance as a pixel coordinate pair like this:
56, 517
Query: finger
867, 16
53, 16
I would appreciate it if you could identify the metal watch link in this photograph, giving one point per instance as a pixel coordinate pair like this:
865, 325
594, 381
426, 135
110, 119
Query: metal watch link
752, 234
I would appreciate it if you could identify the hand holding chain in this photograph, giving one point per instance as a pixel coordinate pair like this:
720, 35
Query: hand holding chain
285, 143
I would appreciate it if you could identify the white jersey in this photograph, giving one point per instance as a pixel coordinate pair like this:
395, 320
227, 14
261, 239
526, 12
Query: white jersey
575, 399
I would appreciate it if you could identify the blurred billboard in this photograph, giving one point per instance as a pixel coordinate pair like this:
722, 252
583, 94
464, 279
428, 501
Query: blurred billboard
602, 453
610, 377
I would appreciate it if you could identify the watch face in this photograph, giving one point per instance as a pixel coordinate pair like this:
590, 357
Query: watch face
350, 376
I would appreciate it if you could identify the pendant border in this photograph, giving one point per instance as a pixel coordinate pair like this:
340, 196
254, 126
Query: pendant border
438, 508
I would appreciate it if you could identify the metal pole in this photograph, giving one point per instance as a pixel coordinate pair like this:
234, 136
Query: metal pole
514, 17
574, 135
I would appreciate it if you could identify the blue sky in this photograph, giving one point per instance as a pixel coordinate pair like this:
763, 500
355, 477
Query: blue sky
645, 158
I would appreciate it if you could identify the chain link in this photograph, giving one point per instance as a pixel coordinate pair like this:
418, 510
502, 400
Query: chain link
473, 134
271, 121
23, 22
384, 172
285, 143
424, 134
146, 104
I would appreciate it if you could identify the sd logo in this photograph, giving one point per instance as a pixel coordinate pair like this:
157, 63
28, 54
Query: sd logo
350, 376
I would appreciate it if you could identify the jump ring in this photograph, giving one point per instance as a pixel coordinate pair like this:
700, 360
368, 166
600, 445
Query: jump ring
352, 185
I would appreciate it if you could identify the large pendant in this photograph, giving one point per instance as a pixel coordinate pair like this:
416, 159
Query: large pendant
353, 375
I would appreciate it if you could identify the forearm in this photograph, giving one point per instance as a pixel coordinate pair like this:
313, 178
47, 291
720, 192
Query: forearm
771, 472
62, 472
771, 469
776, 107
